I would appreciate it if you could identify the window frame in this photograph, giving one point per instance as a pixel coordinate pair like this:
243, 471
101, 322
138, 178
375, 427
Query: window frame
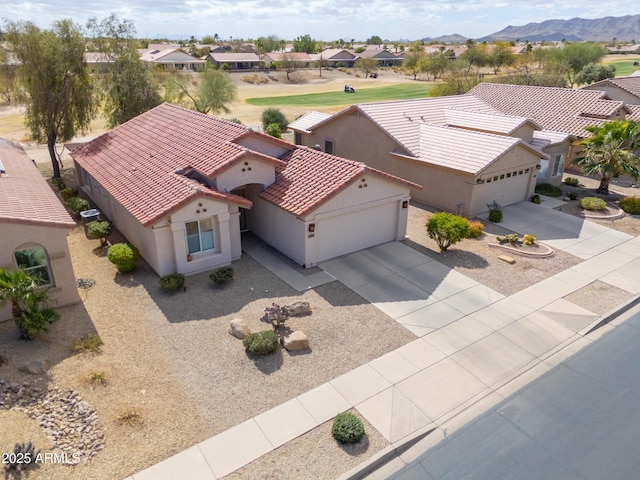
332, 149
45, 265
200, 237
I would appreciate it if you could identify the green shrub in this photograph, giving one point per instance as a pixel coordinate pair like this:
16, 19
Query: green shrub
630, 205
173, 281
261, 343
572, 195
572, 182
123, 256
495, 212
273, 130
536, 199
77, 204
347, 428
447, 229
67, 193
97, 230
475, 229
58, 183
221, 275
593, 204
224, 66
548, 190
274, 115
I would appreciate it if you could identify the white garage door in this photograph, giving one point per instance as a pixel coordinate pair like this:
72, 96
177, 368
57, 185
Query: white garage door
505, 191
354, 231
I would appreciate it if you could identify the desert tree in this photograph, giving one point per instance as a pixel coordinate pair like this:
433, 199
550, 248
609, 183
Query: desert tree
367, 65
55, 81
209, 91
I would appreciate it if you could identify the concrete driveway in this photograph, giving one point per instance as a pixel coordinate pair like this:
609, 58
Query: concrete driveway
415, 290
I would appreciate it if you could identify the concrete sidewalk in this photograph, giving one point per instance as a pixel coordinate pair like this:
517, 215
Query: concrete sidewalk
475, 347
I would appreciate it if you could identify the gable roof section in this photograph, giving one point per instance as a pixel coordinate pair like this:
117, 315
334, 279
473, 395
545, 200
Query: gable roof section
557, 109
26, 198
547, 138
402, 119
138, 162
630, 85
308, 120
312, 177
474, 151
487, 122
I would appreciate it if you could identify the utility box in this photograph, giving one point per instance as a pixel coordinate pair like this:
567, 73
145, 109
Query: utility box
89, 216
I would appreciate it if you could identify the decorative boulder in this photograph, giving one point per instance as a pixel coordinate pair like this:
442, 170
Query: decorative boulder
239, 328
296, 341
37, 366
299, 309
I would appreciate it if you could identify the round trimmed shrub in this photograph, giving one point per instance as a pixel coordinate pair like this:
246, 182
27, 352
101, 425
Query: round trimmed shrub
123, 256
572, 182
536, 199
221, 275
447, 229
261, 343
630, 205
173, 281
475, 229
77, 204
594, 204
274, 115
347, 428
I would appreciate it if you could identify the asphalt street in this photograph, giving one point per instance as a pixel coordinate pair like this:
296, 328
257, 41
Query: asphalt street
581, 420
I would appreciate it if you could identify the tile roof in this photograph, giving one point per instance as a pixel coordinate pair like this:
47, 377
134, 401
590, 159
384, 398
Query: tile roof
557, 109
305, 122
312, 177
234, 57
137, 162
547, 138
487, 122
402, 119
628, 84
25, 196
474, 151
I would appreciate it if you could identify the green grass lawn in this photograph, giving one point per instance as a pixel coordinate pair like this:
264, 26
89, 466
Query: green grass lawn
625, 67
401, 91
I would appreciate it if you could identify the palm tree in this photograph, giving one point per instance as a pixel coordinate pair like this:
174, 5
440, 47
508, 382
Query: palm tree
30, 304
611, 150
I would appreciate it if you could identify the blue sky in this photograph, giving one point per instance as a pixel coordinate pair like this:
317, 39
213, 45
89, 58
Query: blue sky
322, 19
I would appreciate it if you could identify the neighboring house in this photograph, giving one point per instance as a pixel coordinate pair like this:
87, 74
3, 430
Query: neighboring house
235, 61
301, 58
33, 226
463, 152
556, 109
181, 186
336, 57
624, 89
383, 56
172, 58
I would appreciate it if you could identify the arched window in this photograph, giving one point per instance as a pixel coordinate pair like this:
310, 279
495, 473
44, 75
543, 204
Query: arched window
35, 261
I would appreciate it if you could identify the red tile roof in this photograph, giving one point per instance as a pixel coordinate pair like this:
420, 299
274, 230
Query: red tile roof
312, 177
137, 161
557, 109
25, 196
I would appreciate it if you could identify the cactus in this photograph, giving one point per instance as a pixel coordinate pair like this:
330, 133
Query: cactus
511, 238
528, 239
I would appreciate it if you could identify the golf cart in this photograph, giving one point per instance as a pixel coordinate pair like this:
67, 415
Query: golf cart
349, 89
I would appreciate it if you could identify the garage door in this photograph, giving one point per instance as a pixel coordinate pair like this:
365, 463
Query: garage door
342, 234
505, 191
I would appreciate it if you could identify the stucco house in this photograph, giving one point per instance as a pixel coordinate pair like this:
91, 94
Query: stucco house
33, 227
234, 60
624, 89
171, 58
182, 186
464, 153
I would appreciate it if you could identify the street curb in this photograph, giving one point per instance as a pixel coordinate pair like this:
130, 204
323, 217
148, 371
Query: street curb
384, 456
610, 315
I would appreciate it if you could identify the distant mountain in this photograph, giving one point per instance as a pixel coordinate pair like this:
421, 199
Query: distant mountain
577, 29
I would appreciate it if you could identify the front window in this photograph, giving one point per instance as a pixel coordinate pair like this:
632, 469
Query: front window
34, 261
558, 165
544, 169
297, 138
328, 146
199, 235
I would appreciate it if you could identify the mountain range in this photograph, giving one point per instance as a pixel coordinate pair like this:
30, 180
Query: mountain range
623, 29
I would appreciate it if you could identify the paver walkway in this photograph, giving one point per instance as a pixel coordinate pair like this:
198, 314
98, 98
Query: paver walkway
475, 347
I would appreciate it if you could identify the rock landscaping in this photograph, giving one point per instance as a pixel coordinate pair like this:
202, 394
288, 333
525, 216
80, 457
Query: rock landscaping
69, 422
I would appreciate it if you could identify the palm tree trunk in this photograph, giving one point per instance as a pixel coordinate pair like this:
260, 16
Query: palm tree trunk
603, 189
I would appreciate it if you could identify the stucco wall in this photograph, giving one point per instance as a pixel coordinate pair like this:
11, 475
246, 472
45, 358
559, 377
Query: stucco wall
54, 240
249, 170
616, 93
